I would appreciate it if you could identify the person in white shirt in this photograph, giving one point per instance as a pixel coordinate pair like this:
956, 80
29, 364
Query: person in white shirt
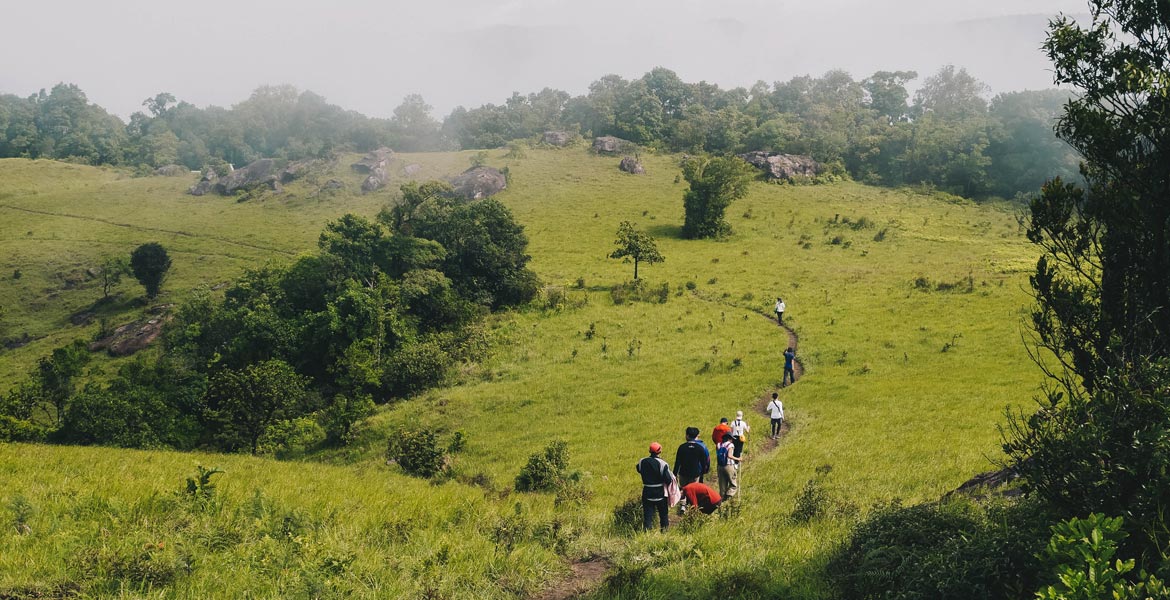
739, 429
776, 411
780, 311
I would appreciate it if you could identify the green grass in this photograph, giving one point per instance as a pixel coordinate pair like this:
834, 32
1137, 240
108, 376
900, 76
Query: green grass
882, 403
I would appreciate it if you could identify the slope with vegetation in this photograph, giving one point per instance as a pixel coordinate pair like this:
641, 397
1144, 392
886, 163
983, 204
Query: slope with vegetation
884, 287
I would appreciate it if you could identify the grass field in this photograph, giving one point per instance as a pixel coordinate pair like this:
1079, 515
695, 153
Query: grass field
904, 386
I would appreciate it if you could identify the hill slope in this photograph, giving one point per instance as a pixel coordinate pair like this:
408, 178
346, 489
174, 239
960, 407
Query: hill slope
905, 381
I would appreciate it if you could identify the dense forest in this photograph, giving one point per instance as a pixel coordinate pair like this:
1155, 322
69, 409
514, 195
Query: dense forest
946, 135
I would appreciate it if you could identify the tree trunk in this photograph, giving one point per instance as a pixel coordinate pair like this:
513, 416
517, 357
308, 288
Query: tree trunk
635, 269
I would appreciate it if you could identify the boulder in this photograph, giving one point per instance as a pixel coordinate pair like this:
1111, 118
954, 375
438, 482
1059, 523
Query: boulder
205, 184
296, 169
559, 139
171, 171
411, 169
259, 173
373, 160
607, 144
376, 180
631, 165
783, 166
479, 182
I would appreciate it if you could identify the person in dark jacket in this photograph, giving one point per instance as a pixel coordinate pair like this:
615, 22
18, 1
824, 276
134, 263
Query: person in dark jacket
692, 459
655, 477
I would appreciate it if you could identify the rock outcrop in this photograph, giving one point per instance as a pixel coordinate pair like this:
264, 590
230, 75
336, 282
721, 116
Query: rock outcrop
374, 165
607, 144
411, 169
261, 173
132, 337
559, 139
373, 160
479, 182
205, 183
630, 164
171, 171
782, 166
296, 169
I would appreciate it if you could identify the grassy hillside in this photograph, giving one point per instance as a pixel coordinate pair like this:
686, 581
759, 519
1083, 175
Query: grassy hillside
904, 385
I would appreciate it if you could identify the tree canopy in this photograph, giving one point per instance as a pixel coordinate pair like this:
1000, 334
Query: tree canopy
636, 245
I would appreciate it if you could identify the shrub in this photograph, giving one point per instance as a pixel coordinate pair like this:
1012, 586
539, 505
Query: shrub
691, 285
417, 452
880, 235
955, 549
545, 470
627, 517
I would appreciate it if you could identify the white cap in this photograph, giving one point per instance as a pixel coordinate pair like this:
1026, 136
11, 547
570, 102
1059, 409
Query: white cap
739, 414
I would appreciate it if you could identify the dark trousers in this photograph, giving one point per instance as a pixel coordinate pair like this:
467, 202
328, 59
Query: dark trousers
737, 443
648, 509
789, 375
776, 426
780, 317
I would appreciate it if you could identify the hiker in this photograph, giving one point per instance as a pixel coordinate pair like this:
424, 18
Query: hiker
703, 496
739, 431
655, 477
722, 428
776, 411
692, 460
780, 311
728, 467
789, 372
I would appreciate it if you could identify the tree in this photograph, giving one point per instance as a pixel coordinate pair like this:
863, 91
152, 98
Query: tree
637, 245
150, 263
1102, 284
715, 183
113, 268
248, 401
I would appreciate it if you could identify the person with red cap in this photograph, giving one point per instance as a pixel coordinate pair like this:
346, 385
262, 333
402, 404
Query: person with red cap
656, 476
702, 496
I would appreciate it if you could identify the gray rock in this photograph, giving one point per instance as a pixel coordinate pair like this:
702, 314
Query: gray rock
559, 139
373, 160
132, 337
296, 169
783, 166
411, 169
204, 185
376, 180
479, 182
631, 165
607, 144
259, 173
171, 171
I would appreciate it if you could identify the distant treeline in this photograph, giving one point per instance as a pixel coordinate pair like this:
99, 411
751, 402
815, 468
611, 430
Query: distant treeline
948, 135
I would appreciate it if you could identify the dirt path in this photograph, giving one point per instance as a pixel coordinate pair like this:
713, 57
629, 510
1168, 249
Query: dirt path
591, 572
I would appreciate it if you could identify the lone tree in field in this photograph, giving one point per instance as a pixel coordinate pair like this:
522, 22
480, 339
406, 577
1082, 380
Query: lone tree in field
150, 263
1098, 442
715, 184
113, 268
637, 245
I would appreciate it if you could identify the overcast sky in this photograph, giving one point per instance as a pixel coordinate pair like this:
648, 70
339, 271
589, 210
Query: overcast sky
367, 54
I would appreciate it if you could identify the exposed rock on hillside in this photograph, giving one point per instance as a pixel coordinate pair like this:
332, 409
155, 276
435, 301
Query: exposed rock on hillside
204, 185
135, 336
559, 139
411, 169
607, 144
297, 169
259, 173
373, 160
631, 165
782, 166
171, 171
479, 182
376, 180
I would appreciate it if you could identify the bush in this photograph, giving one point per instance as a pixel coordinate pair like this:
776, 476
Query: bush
627, 517
546, 470
20, 430
955, 549
416, 366
418, 453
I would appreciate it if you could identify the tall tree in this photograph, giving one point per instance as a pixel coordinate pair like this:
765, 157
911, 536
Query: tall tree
715, 184
1098, 444
636, 245
150, 263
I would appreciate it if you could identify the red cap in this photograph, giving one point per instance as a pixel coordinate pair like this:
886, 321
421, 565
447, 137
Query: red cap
655, 447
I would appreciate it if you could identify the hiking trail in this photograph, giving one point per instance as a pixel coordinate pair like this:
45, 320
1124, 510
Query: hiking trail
590, 572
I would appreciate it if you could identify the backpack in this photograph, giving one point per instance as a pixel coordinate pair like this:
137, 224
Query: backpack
721, 455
